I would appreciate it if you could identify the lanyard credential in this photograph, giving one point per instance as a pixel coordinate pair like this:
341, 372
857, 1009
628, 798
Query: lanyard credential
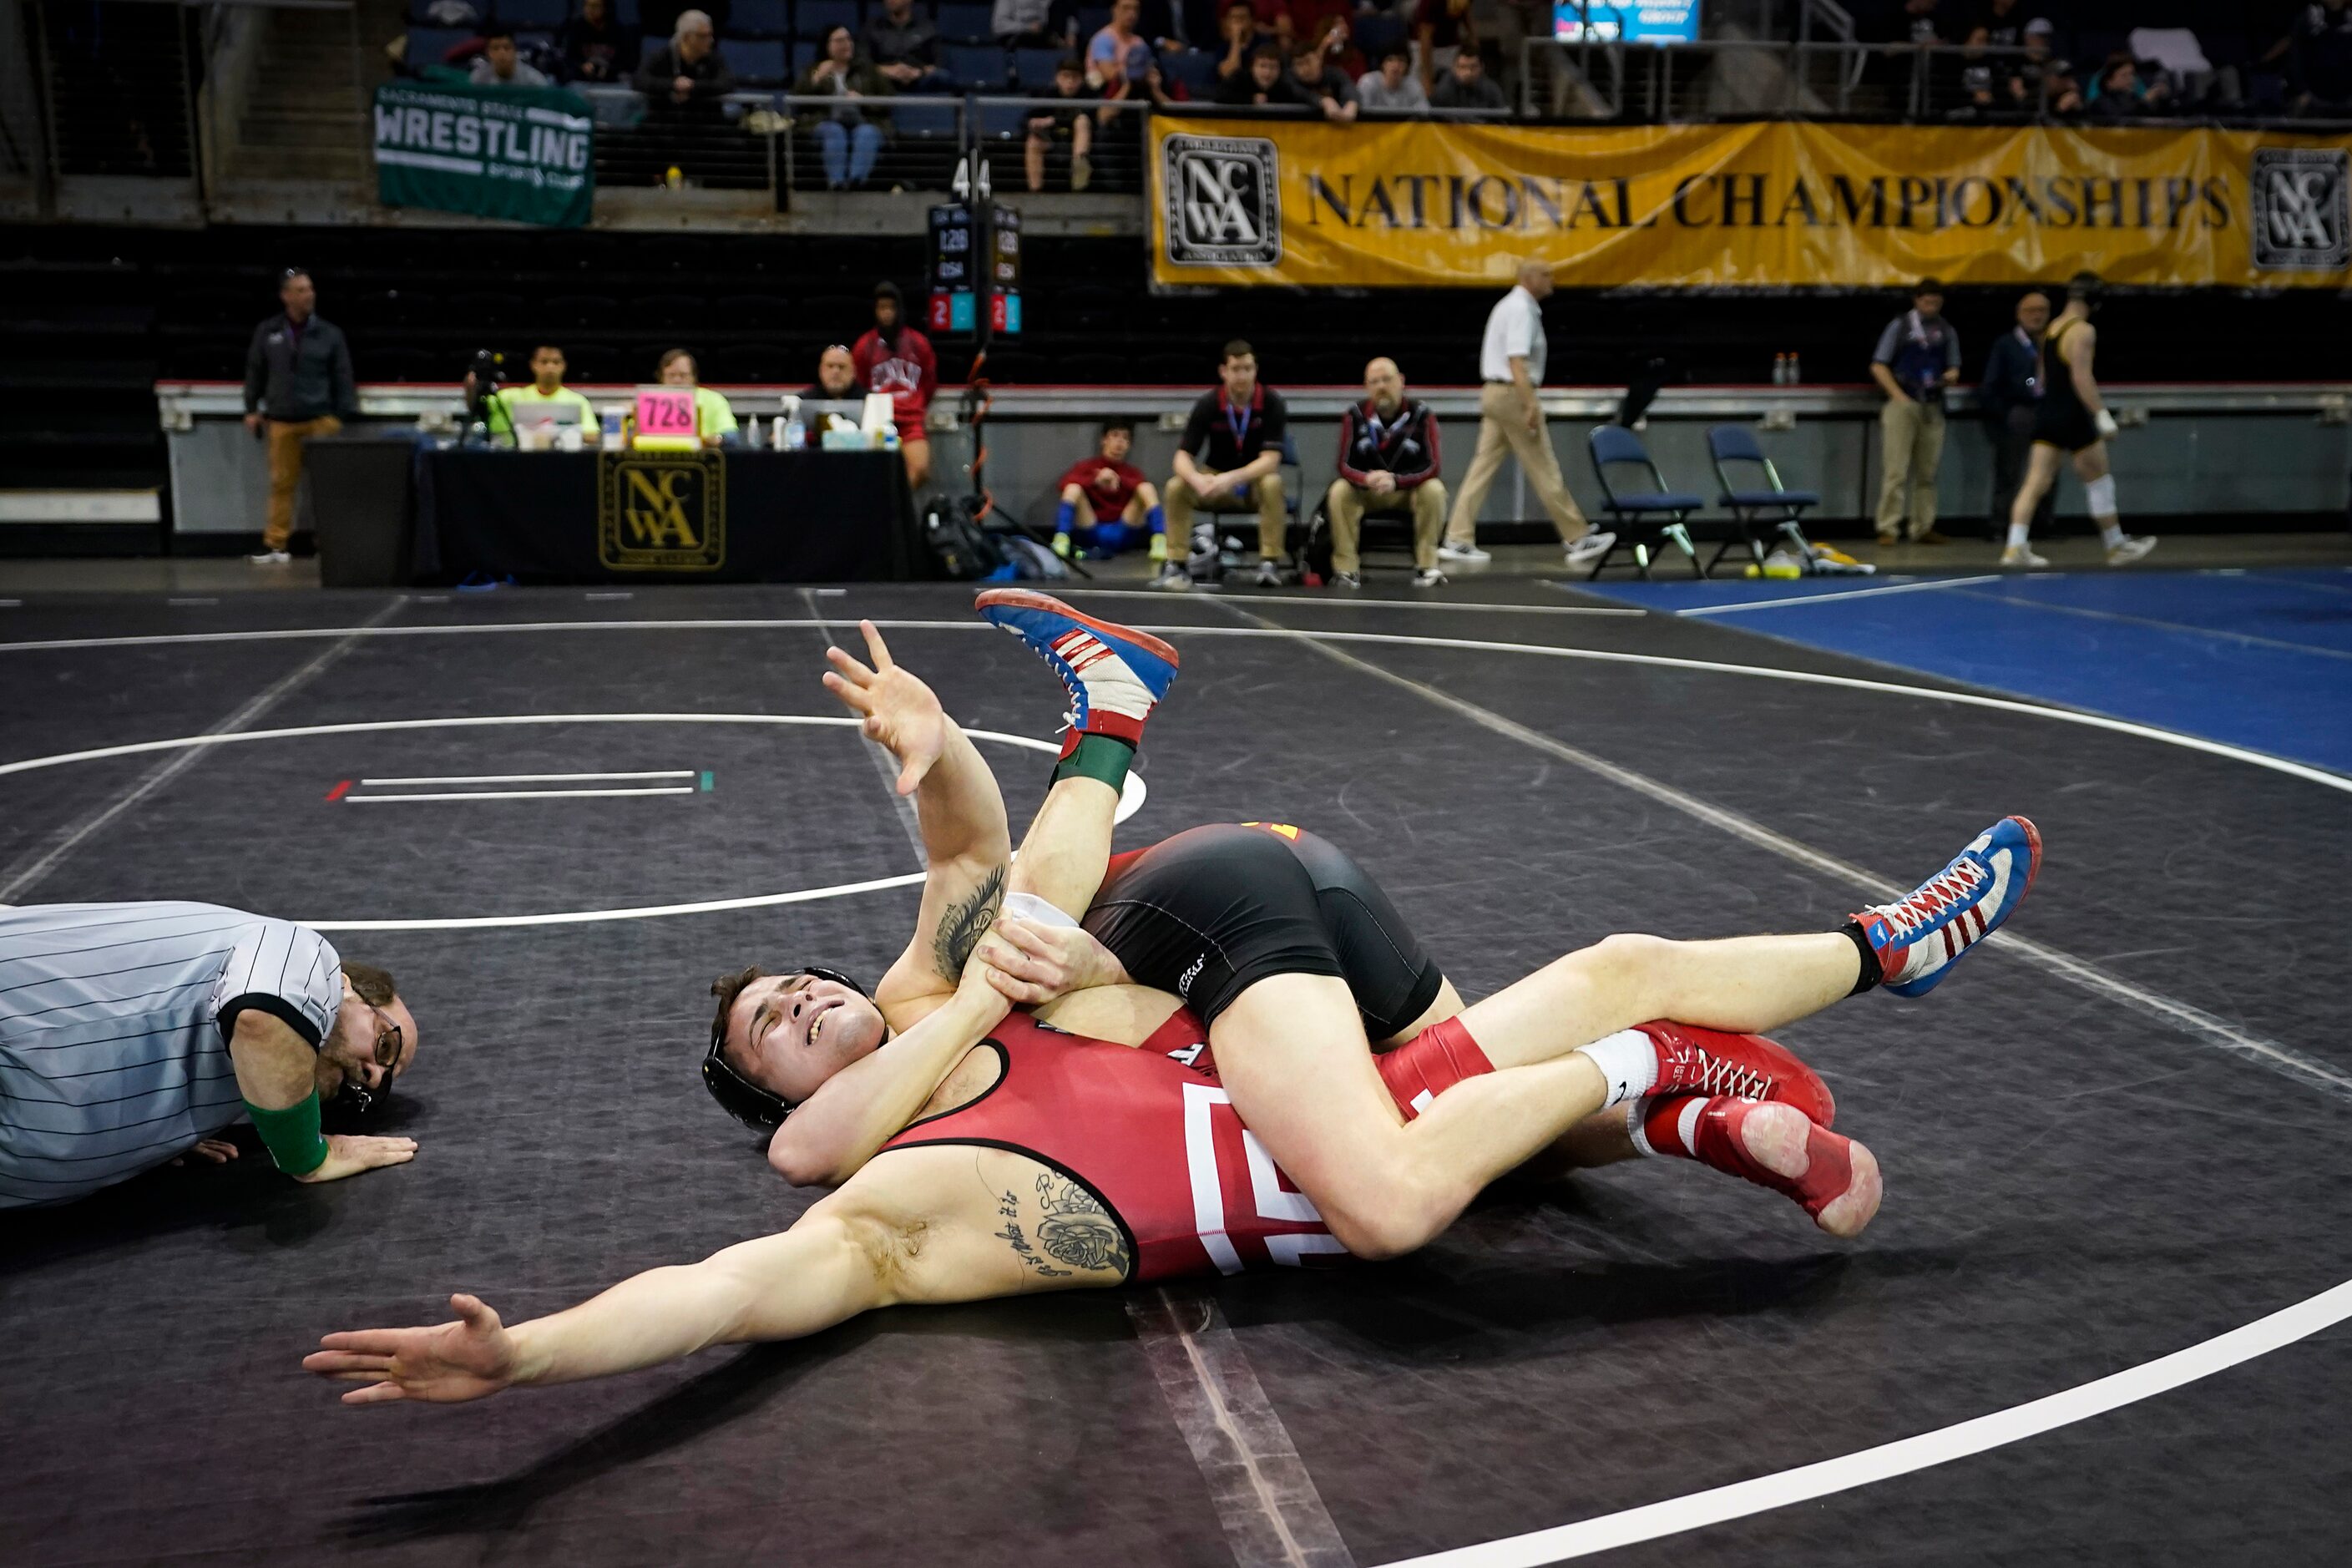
1238, 425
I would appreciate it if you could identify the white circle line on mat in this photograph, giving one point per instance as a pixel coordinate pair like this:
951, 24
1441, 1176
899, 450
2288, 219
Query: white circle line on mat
1130, 801
1656, 660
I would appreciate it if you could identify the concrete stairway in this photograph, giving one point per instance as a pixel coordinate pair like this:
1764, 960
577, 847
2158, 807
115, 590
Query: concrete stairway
306, 115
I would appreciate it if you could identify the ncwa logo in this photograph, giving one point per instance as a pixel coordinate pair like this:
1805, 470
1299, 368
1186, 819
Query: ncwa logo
2300, 209
661, 511
1223, 201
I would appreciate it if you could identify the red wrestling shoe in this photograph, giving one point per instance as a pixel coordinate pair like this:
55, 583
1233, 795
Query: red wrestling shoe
1713, 1062
1829, 1177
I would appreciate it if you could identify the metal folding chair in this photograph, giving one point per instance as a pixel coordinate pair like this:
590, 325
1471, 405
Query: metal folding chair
1644, 519
1764, 513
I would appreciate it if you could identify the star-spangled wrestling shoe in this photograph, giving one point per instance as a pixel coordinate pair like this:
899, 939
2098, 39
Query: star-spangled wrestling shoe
1115, 675
1920, 937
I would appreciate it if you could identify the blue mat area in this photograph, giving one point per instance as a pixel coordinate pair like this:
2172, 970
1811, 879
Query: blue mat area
2260, 659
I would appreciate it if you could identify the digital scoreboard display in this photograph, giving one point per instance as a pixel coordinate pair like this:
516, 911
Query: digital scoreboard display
1654, 22
956, 278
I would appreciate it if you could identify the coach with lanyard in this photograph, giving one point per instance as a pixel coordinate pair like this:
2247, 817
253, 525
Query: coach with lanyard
1230, 459
133, 1034
1918, 356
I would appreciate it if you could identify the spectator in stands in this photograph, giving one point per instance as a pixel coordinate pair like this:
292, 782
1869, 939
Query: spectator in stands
1022, 23
1319, 85
1230, 459
1467, 85
1918, 355
845, 139
1119, 54
595, 47
896, 358
297, 387
1274, 20
1333, 35
714, 420
905, 48
498, 64
1106, 504
1263, 88
2008, 398
1237, 31
514, 408
2319, 58
685, 83
2120, 94
1393, 87
1512, 358
1443, 31
1066, 132
1387, 463
1998, 25
2043, 79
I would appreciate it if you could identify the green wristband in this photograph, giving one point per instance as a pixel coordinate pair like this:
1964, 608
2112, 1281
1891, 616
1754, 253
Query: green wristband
291, 1135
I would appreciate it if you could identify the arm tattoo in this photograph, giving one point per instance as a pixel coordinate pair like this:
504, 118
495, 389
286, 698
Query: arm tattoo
1076, 1229
1009, 1207
964, 923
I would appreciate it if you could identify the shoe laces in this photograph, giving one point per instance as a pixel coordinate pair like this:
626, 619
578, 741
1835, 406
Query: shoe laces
1953, 885
1720, 1076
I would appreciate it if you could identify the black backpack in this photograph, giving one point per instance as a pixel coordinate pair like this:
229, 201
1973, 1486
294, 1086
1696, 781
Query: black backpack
967, 551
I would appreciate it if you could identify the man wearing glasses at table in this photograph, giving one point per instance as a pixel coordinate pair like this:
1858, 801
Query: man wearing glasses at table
134, 1033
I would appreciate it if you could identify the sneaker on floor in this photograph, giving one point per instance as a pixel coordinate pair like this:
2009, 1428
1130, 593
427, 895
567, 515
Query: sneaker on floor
1921, 935
1268, 576
1115, 675
1062, 546
1347, 579
1451, 552
1889, 537
1429, 577
2130, 550
1172, 578
270, 558
2021, 556
1591, 547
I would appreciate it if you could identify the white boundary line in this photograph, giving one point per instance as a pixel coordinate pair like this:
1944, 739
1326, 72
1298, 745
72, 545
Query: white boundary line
1654, 660
1795, 600
533, 778
516, 794
1350, 601
1888, 1460
1130, 801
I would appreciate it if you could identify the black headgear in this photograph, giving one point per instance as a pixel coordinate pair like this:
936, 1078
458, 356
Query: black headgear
744, 1100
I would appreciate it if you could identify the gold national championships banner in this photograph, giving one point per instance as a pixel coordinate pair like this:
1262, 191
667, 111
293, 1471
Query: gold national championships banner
1426, 204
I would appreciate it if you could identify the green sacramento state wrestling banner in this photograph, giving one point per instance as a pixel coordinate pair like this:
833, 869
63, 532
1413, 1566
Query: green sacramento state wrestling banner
524, 154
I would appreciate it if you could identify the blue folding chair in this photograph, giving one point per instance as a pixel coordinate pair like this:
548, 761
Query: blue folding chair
1033, 68
965, 24
1644, 517
756, 62
976, 67
758, 19
813, 19
1762, 513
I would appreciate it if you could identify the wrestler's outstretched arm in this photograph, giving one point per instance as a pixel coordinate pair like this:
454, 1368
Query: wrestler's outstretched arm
933, 1225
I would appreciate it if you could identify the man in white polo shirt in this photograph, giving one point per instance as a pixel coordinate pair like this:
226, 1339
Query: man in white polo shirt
1511, 424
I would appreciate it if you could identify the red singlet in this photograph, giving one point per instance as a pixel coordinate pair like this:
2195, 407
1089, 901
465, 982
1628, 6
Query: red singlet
1146, 1130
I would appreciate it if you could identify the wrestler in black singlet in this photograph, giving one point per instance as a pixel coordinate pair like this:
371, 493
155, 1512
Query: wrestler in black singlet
2061, 420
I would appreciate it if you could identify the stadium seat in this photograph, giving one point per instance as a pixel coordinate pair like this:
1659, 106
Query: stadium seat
757, 62
542, 15
803, 57
913, 117
760, 19
452, 12
813, 19
966, 24
1642, 518
576, 310
1092, 20
1763, 511
977, 67
1008, 120
427, 46
1195, 68
1376, 32
1033, 68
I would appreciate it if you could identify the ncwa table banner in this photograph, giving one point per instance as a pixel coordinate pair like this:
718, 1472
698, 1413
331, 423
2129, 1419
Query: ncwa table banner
524, 154
1430, 204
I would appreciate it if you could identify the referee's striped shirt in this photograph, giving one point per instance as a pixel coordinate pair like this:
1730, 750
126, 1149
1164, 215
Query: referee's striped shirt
114, 1028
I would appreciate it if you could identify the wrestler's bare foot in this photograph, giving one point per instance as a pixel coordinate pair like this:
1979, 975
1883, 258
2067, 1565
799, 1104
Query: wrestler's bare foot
1781, 1141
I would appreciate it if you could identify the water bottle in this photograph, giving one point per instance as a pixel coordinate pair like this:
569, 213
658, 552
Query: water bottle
1796, 370
1780, 370
796, 433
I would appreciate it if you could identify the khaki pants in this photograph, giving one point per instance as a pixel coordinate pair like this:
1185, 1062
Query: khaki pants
1503, 432
1265, 497
286, 438
1348, 505
1914, 445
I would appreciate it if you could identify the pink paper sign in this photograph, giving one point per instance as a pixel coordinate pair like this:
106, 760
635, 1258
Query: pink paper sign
665, 411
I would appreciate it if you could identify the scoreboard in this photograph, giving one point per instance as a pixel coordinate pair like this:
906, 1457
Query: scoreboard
975, 255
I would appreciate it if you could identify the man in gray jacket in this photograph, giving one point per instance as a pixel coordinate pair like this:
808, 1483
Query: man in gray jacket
298, 385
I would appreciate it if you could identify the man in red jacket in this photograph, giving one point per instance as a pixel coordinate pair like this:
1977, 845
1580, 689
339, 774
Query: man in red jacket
896, 358
1387, 463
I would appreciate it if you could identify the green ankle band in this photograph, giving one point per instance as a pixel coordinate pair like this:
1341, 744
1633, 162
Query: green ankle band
291, 1135
1098, 757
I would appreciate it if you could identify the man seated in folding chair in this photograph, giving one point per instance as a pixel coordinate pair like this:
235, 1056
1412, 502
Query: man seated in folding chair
1230, 459
1388, 464
1645, 518
1765, 514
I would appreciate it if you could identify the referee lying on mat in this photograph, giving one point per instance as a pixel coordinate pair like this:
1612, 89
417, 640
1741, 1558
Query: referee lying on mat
133, 1034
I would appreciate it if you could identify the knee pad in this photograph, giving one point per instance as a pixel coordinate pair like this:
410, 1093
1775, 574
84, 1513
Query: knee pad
1430, 1063
2102, 494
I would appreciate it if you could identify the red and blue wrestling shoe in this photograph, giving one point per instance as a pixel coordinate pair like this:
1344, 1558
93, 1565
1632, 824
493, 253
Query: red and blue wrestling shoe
1115, 675
1920, 936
